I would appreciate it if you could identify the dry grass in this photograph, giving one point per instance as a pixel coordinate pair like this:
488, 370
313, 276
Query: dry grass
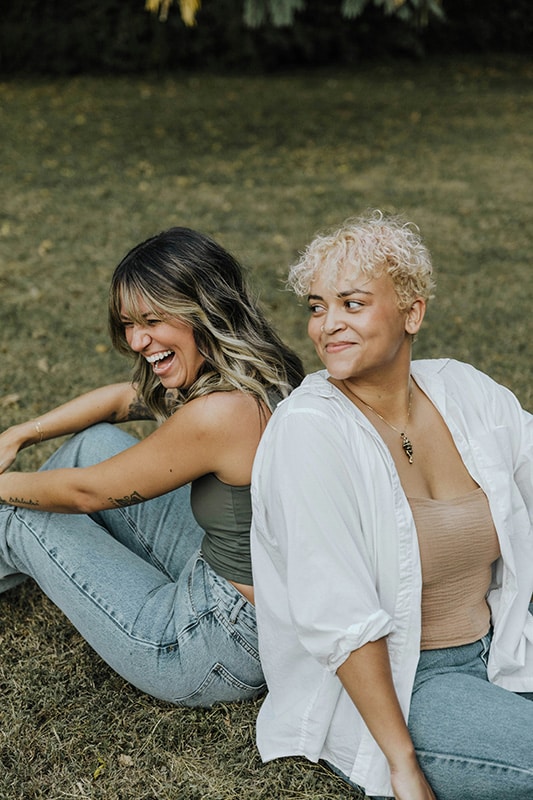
91, 166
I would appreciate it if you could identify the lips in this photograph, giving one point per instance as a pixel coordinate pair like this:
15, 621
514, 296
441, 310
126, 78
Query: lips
337, 347
160, 361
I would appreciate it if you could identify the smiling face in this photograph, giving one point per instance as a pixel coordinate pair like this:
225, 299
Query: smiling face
357, 327
168, 346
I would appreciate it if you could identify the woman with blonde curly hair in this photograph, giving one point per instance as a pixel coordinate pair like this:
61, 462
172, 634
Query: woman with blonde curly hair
145, 545
392, 543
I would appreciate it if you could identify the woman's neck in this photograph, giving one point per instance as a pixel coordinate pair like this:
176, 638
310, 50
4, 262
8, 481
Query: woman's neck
391, 398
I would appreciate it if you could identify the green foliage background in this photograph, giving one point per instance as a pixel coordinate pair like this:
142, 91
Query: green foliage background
79, 36
92, 165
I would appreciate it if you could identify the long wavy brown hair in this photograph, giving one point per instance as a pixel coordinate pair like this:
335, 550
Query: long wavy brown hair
184, 275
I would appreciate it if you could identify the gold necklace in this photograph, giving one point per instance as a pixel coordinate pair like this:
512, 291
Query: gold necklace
406, 444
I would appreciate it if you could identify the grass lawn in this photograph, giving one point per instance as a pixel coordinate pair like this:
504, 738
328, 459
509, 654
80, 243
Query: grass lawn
89, 167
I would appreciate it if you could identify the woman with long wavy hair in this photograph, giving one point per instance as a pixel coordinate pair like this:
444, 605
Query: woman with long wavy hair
145, 545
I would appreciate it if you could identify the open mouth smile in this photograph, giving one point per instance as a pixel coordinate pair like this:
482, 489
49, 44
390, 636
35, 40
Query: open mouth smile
160, 361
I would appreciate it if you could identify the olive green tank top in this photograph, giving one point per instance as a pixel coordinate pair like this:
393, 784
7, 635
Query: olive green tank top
225, 513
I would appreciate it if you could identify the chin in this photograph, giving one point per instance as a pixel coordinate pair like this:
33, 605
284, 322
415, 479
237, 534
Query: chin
168, 383
338, 373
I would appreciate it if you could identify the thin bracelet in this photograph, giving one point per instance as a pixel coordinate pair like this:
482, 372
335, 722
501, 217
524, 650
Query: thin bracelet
39, 430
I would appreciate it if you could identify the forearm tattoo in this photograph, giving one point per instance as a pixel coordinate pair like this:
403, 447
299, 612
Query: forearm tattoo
129, 500
19, 501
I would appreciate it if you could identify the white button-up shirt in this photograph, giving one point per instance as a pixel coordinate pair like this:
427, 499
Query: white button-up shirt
336, 560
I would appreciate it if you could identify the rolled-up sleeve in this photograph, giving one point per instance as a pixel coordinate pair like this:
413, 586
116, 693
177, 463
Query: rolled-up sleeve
312, 519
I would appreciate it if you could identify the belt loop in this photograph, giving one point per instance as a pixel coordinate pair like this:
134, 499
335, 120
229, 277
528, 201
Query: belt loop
235, 611
485, 645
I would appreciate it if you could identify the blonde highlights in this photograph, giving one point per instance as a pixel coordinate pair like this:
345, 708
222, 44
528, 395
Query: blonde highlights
184, 275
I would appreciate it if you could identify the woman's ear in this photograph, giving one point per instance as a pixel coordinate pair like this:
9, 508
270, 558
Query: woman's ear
415, 315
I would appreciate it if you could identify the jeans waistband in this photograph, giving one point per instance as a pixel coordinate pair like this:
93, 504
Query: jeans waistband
226, 594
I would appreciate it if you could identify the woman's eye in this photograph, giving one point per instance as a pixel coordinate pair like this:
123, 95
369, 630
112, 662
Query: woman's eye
315, 309
353, 304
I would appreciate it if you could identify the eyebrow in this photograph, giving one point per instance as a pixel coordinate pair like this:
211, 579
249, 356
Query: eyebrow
346, 293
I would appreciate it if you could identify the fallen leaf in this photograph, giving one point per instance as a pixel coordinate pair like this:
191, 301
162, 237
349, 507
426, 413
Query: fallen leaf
44, 247
9, 400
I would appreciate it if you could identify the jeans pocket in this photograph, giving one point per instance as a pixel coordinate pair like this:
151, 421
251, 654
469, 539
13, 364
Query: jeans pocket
232, 610
221, 686
219, 657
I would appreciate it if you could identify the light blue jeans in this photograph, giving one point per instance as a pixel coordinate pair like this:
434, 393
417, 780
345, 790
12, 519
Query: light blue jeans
474, 740
134, 583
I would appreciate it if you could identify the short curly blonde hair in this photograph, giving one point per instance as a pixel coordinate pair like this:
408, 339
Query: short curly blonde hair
374, 244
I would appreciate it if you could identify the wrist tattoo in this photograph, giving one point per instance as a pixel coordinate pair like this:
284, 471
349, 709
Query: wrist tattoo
129, 500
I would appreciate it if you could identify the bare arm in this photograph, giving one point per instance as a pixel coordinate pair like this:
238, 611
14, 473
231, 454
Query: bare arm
366, 676
218, 433
114, 403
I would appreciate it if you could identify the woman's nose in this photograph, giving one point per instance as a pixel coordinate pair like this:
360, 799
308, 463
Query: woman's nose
332, 322
138, 339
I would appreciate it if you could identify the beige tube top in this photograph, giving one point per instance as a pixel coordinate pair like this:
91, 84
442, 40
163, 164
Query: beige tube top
458, 545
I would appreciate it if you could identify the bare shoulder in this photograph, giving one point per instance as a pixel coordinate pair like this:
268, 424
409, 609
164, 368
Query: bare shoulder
218, 413
223, 411
225, 427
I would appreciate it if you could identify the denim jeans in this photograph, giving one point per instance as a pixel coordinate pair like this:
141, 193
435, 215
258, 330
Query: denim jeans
134, 583
473, 740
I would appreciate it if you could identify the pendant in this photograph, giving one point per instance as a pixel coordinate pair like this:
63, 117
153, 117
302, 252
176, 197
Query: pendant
407, 447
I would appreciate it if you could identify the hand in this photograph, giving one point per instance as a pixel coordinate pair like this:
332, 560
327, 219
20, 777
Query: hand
411, 784
370, 666
10, 444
